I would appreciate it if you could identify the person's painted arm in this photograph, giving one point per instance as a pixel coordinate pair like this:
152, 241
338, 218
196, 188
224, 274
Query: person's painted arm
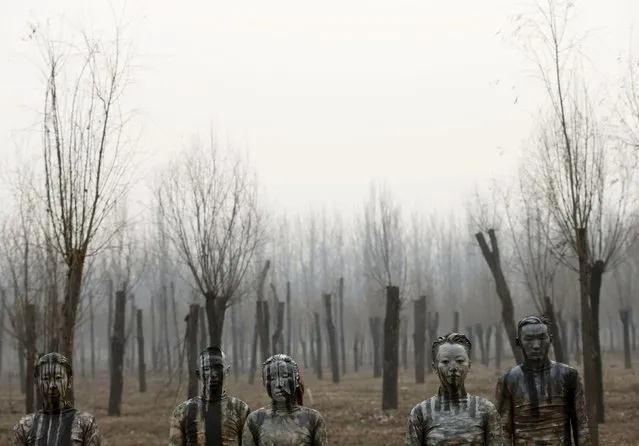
503, 401
176, 429
320, 437
415, 433
579, 420
494, 434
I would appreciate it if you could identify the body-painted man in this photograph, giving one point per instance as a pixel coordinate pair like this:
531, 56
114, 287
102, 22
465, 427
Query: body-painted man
541, 402
58, 423
212, 418
286, 422
453, 416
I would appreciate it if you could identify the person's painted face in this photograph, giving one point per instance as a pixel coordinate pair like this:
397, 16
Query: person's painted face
54, 383
452, 365
534, 340
211, 372
280, 380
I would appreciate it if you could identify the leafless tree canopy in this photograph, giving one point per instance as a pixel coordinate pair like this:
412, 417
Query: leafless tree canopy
208, 199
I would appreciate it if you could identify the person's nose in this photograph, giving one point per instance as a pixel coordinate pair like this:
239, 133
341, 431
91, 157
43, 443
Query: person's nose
453, 366
536, 346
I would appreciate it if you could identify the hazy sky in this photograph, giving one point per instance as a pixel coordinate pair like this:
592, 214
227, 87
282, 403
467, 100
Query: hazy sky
326, 96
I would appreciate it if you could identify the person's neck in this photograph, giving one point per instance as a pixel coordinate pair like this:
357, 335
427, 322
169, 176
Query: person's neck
212, 394
288, 405
536, 364
448, 392
55, 407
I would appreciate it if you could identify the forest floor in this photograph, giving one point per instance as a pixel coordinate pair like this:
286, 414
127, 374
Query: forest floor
351, 409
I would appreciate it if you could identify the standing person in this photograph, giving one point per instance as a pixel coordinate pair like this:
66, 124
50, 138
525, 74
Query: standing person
213, 417
453, 416
58, 423
286, 422
541, 401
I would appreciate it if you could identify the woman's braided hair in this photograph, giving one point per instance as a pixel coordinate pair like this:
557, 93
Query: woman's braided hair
451, 338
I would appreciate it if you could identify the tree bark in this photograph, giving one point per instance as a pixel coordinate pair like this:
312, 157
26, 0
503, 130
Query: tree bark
557, 340
289, 327
493, 259
202, 329
92, 334
588, 349
277, 341
117, 356
356, 353
499, 346
419, 338
342, 337
596, 275
30, 330
318, 346
332, 339
625, 315
192, 320
433, 325
141, 363
390, 378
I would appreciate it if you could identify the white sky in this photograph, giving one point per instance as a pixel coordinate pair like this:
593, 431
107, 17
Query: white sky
326, 96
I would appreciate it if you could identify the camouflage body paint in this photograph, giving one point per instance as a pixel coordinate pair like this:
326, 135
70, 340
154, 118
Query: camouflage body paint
213, 418
541, 402
285, 422
58, 423
453, 417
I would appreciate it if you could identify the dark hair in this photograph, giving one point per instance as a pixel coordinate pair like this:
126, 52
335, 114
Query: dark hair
532, 320
212, 351
52, 358
452, 338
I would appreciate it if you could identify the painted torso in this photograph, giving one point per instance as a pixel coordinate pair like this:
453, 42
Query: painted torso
188, 424
297, 426
68, 427
543, 407
471, 420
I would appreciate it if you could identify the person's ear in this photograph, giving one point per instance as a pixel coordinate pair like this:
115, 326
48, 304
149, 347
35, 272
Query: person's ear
197, 373
517, 342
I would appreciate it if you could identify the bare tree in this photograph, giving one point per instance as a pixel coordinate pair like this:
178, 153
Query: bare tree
386, 265
82, 147
208, 199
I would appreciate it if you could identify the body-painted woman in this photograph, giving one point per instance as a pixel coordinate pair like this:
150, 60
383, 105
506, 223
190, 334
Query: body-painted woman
58, 423
453, 416
286, 422
541, 401
213, 417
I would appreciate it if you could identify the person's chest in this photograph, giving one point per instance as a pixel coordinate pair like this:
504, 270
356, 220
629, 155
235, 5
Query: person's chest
284, 430
452, 426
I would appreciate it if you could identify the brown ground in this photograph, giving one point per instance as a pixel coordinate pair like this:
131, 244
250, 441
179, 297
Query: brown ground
351, 409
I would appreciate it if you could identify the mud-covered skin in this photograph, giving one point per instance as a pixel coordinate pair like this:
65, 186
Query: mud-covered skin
213, 417
541, 402
188, 425
453, 417
286, 422
57, 423
469, 420
543, 406
280, 425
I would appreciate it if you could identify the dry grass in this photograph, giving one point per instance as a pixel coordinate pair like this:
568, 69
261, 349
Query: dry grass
351, 409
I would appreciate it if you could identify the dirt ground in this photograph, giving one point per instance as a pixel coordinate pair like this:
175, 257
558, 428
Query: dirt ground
351, 409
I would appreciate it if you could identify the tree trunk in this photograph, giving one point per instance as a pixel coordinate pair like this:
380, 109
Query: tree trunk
356, 353
456, 321
588, 349
235, 342
289, 327
277, 341
376, 335
3, 303
479, 333
30, 330
557, 340
489, 332
332, 339
419, 338
117, 356
192, 345
499, 346
432, 327
404, 330
21, 351
342, 337
215, 310
625, 315
202, 329
70, 305
576, 335
165, 332
596, 275
257, 329
141, 363
265, 330
318, 345
493, 259
390, 378
302, 338
471, 336
92, 334
154, 349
